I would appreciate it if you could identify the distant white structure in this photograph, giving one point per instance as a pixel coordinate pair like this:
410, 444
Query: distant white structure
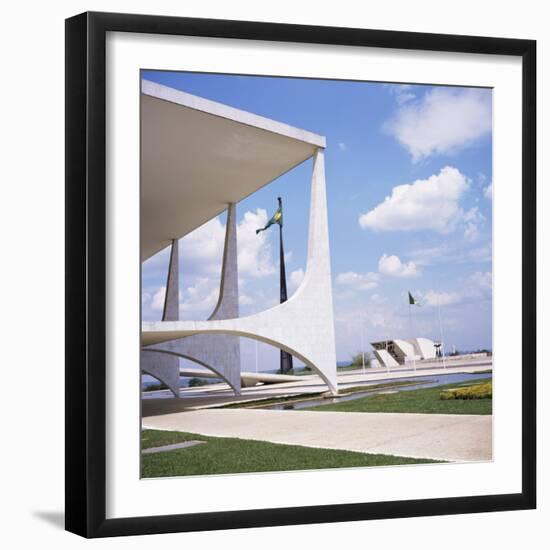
392, 353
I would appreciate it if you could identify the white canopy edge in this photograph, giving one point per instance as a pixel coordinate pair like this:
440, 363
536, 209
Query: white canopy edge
172, 95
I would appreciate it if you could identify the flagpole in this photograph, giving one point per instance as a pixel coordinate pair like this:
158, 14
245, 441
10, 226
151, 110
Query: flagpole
412, 331
387, 365
441, 331
286, 358
362, 344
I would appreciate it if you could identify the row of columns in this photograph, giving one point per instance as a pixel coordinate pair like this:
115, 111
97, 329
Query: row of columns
221, 352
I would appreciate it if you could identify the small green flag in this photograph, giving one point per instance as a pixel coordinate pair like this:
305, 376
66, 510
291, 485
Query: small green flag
276, 218
412, 300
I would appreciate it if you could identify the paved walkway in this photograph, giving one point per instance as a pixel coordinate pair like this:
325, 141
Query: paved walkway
436, 436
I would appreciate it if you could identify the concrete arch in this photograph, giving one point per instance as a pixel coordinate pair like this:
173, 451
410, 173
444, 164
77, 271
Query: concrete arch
163, 368
236, 332
156, 378
195, 360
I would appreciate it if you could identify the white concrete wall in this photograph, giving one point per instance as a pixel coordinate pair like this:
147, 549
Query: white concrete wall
426, 348
384, 358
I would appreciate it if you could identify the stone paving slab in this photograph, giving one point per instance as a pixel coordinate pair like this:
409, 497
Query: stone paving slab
436, 436
172, 447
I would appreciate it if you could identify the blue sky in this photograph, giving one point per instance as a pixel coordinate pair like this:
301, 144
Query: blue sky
409, 184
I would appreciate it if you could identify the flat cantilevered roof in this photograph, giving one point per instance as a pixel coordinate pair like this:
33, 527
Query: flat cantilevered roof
197, 156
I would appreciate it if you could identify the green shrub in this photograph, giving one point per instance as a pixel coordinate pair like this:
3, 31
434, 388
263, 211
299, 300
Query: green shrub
357, 359
195, 382
477, 391
155, 387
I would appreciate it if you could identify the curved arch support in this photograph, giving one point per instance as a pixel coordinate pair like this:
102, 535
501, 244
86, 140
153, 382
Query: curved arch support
235, 387
163, 368
219, 353
312, 362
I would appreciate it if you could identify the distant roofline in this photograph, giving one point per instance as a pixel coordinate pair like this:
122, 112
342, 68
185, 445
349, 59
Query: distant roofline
208, 106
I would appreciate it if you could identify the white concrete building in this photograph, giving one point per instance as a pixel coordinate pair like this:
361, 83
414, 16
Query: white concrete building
198, 159
392, 353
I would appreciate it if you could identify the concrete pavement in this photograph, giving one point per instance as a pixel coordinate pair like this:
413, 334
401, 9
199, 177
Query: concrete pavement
436, 436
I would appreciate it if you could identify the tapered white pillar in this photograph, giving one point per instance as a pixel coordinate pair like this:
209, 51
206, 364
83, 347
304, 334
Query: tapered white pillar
166, 368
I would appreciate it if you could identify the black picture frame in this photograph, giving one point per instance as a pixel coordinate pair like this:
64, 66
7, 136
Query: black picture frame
86, 267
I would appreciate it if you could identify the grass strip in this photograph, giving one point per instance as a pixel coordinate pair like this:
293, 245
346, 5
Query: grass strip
425, 401
231, 455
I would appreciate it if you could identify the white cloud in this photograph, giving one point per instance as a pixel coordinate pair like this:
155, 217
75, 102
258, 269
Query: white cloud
472, 218
378, 298
444, 121
296, 278
471, 232
390, 266
245, 300
202, 249
404, 98
255, 257
429, 255
477, 287
201, 252
158, 299
360, 281
488, 191
483, 280
451, 254
202, 296
482, 254
433, 298
342, 146
432, 203
394, 267
402, 93
473, 215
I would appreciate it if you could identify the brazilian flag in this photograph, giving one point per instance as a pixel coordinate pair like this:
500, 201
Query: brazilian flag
412, 300
276, 218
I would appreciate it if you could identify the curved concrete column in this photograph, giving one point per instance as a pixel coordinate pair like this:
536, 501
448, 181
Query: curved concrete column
171, 350
166, 368
220, 353
304, 325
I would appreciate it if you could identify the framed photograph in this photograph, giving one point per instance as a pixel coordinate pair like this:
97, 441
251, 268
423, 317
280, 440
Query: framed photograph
300, 274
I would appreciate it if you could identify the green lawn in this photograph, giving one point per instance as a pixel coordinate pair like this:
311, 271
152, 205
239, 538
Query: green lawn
414, 401
231, 455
